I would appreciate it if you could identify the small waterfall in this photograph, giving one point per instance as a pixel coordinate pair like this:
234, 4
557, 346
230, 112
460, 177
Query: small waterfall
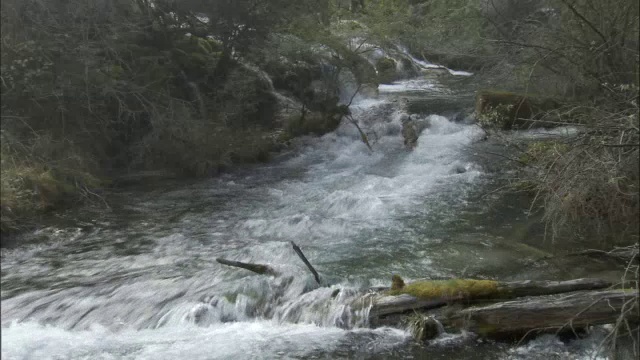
347, 86
425, 65
262, 75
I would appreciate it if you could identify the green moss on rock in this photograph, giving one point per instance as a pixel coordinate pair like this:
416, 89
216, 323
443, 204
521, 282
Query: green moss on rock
396, 283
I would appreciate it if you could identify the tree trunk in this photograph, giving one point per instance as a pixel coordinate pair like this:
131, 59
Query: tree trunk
546, 313
384, 304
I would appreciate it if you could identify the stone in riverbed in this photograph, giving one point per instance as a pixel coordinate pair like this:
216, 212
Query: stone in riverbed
459, 169
409, 132
424, 328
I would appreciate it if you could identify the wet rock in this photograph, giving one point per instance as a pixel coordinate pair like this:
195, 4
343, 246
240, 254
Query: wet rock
459, 169
412, 127
410, 134
386, 69
424, 328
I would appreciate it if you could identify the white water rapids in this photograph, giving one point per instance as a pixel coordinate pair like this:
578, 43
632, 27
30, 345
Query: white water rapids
140, 282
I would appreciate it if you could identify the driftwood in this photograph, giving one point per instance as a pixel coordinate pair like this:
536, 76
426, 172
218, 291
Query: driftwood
503, 309
546, 313
306, 262
384, 304
256, 268
268, 270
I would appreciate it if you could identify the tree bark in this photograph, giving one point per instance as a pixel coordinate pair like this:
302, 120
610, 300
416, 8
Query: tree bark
384, 304
547, 313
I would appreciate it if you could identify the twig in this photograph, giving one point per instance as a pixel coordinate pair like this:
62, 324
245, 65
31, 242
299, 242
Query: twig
354, 94
363, 136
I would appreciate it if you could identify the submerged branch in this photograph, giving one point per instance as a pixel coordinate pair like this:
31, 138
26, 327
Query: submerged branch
256, 268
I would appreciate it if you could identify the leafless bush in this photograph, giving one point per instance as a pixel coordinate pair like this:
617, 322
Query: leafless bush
589, 182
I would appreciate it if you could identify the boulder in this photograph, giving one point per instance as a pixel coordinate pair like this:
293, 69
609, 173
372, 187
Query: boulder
386, 69
409, 132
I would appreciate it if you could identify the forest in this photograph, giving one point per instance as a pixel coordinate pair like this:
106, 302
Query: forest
95, 89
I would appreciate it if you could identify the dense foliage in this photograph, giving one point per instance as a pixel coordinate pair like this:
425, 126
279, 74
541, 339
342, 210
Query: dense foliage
95, 88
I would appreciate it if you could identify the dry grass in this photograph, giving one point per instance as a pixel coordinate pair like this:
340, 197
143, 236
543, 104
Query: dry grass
38, 175
624, 331
588, 184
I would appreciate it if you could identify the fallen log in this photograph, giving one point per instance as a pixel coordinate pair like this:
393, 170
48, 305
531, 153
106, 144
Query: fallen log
426, 295
546, 313
256, 268
507, 110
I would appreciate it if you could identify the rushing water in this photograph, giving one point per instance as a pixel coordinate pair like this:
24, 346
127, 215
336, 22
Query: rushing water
140, 281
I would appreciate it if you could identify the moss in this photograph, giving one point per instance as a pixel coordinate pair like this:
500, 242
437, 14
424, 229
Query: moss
396, 282
435, 289
207, 45
28, 190
231, 297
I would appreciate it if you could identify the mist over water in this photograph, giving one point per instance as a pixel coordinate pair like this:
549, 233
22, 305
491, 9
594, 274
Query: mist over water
141, 281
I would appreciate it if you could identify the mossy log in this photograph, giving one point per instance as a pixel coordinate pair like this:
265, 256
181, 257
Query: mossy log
424, 295
546, 313
507, 110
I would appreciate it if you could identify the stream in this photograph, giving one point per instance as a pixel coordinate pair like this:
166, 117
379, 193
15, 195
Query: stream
139, 280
